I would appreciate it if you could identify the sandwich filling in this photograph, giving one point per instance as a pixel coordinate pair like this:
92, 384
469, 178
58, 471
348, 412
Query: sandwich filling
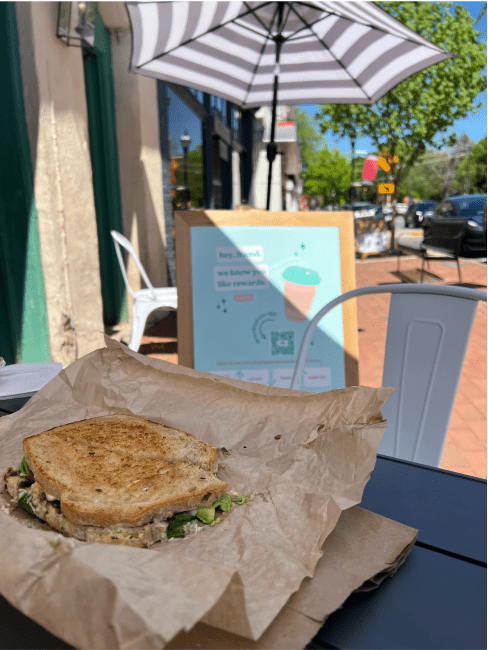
29, 495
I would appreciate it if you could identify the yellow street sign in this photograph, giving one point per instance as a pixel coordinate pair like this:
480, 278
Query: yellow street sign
386, 188
385, 161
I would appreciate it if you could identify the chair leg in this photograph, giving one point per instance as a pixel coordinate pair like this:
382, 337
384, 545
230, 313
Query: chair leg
459, 270
138, 324
422, 271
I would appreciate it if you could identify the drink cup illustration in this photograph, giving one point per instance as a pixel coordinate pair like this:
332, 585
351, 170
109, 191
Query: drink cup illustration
299, 292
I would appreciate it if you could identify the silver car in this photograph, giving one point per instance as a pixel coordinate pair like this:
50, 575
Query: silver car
360, 210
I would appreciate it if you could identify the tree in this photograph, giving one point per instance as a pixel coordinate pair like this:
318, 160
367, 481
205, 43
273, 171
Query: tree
444, 168
419, 111
328, 176
195, 176
423, 181
472, 171
308, 137
460, 170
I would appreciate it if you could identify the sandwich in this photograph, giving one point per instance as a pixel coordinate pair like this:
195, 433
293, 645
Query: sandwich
120, 479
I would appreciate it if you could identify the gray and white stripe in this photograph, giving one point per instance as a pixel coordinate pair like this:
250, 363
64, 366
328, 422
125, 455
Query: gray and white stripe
334, 52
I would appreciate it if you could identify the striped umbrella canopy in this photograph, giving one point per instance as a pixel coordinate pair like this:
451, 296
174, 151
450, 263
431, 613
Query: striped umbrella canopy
268, 53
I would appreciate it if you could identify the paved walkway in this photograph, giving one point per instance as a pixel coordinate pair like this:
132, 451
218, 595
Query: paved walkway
465, 447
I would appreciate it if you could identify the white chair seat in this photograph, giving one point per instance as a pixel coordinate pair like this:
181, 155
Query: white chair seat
145, 300
166, 294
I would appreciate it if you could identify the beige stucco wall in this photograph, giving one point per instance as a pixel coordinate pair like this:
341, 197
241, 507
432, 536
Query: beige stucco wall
56, 113
140, 165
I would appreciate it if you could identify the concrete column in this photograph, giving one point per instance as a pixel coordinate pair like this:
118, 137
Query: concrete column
140, 165
56, 114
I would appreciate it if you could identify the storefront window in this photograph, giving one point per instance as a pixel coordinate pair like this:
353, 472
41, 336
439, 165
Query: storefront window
198, 94
182, 120
219, 154
218, 107
217, 173
236, 124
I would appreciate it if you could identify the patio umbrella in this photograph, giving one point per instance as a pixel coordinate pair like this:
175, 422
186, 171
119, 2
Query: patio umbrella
268, 53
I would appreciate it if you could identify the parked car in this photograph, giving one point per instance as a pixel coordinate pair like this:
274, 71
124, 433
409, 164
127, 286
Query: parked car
418, 212
361, 209
401, 209
472, 208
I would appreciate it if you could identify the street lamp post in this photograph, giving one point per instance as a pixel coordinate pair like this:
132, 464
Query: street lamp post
352, 190
185, 144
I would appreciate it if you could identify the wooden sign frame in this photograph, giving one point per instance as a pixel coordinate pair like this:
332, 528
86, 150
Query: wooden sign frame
186, 220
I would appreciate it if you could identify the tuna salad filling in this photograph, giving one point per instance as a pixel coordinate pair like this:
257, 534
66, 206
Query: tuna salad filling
20, 485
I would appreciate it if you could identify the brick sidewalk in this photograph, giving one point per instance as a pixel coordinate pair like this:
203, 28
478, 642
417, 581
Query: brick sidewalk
465, 447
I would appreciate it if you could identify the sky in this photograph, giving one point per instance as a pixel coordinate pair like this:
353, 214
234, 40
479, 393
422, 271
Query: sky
474, 125
182, 119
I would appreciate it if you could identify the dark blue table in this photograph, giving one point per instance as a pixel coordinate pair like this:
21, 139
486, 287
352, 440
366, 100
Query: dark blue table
437, 599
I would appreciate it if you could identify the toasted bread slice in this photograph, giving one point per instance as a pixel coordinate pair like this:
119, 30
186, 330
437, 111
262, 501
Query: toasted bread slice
136, 436
102, 480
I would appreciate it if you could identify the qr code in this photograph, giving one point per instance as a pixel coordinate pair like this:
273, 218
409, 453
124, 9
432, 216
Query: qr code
282, 343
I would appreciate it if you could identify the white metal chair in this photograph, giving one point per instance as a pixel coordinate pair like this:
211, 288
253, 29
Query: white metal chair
145, 300
428, 332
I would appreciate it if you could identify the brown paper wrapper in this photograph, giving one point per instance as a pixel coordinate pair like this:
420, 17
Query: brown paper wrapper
363, 550
303, 457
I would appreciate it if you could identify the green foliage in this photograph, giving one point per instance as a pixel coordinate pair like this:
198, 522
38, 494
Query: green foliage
195, 176
418, 112
475, 167
308, 137
329, 174
439, 174
424, 183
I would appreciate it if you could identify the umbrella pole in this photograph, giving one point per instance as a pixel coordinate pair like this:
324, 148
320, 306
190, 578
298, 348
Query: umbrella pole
271, 148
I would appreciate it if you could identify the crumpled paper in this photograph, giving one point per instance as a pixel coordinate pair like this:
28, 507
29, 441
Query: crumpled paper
303, 457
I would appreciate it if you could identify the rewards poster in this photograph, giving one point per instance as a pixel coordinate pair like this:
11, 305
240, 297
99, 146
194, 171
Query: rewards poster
249, 282
255, 289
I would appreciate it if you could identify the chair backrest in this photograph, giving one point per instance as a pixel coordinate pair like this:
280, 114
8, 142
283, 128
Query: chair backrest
445, 234
428, 333
120, 239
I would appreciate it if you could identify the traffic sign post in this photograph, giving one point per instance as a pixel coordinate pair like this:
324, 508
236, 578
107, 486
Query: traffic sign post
174, 166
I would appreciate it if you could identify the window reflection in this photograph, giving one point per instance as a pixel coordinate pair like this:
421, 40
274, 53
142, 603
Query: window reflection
181, 120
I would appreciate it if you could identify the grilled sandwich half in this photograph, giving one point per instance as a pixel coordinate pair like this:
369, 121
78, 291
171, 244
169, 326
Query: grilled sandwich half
114, 479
